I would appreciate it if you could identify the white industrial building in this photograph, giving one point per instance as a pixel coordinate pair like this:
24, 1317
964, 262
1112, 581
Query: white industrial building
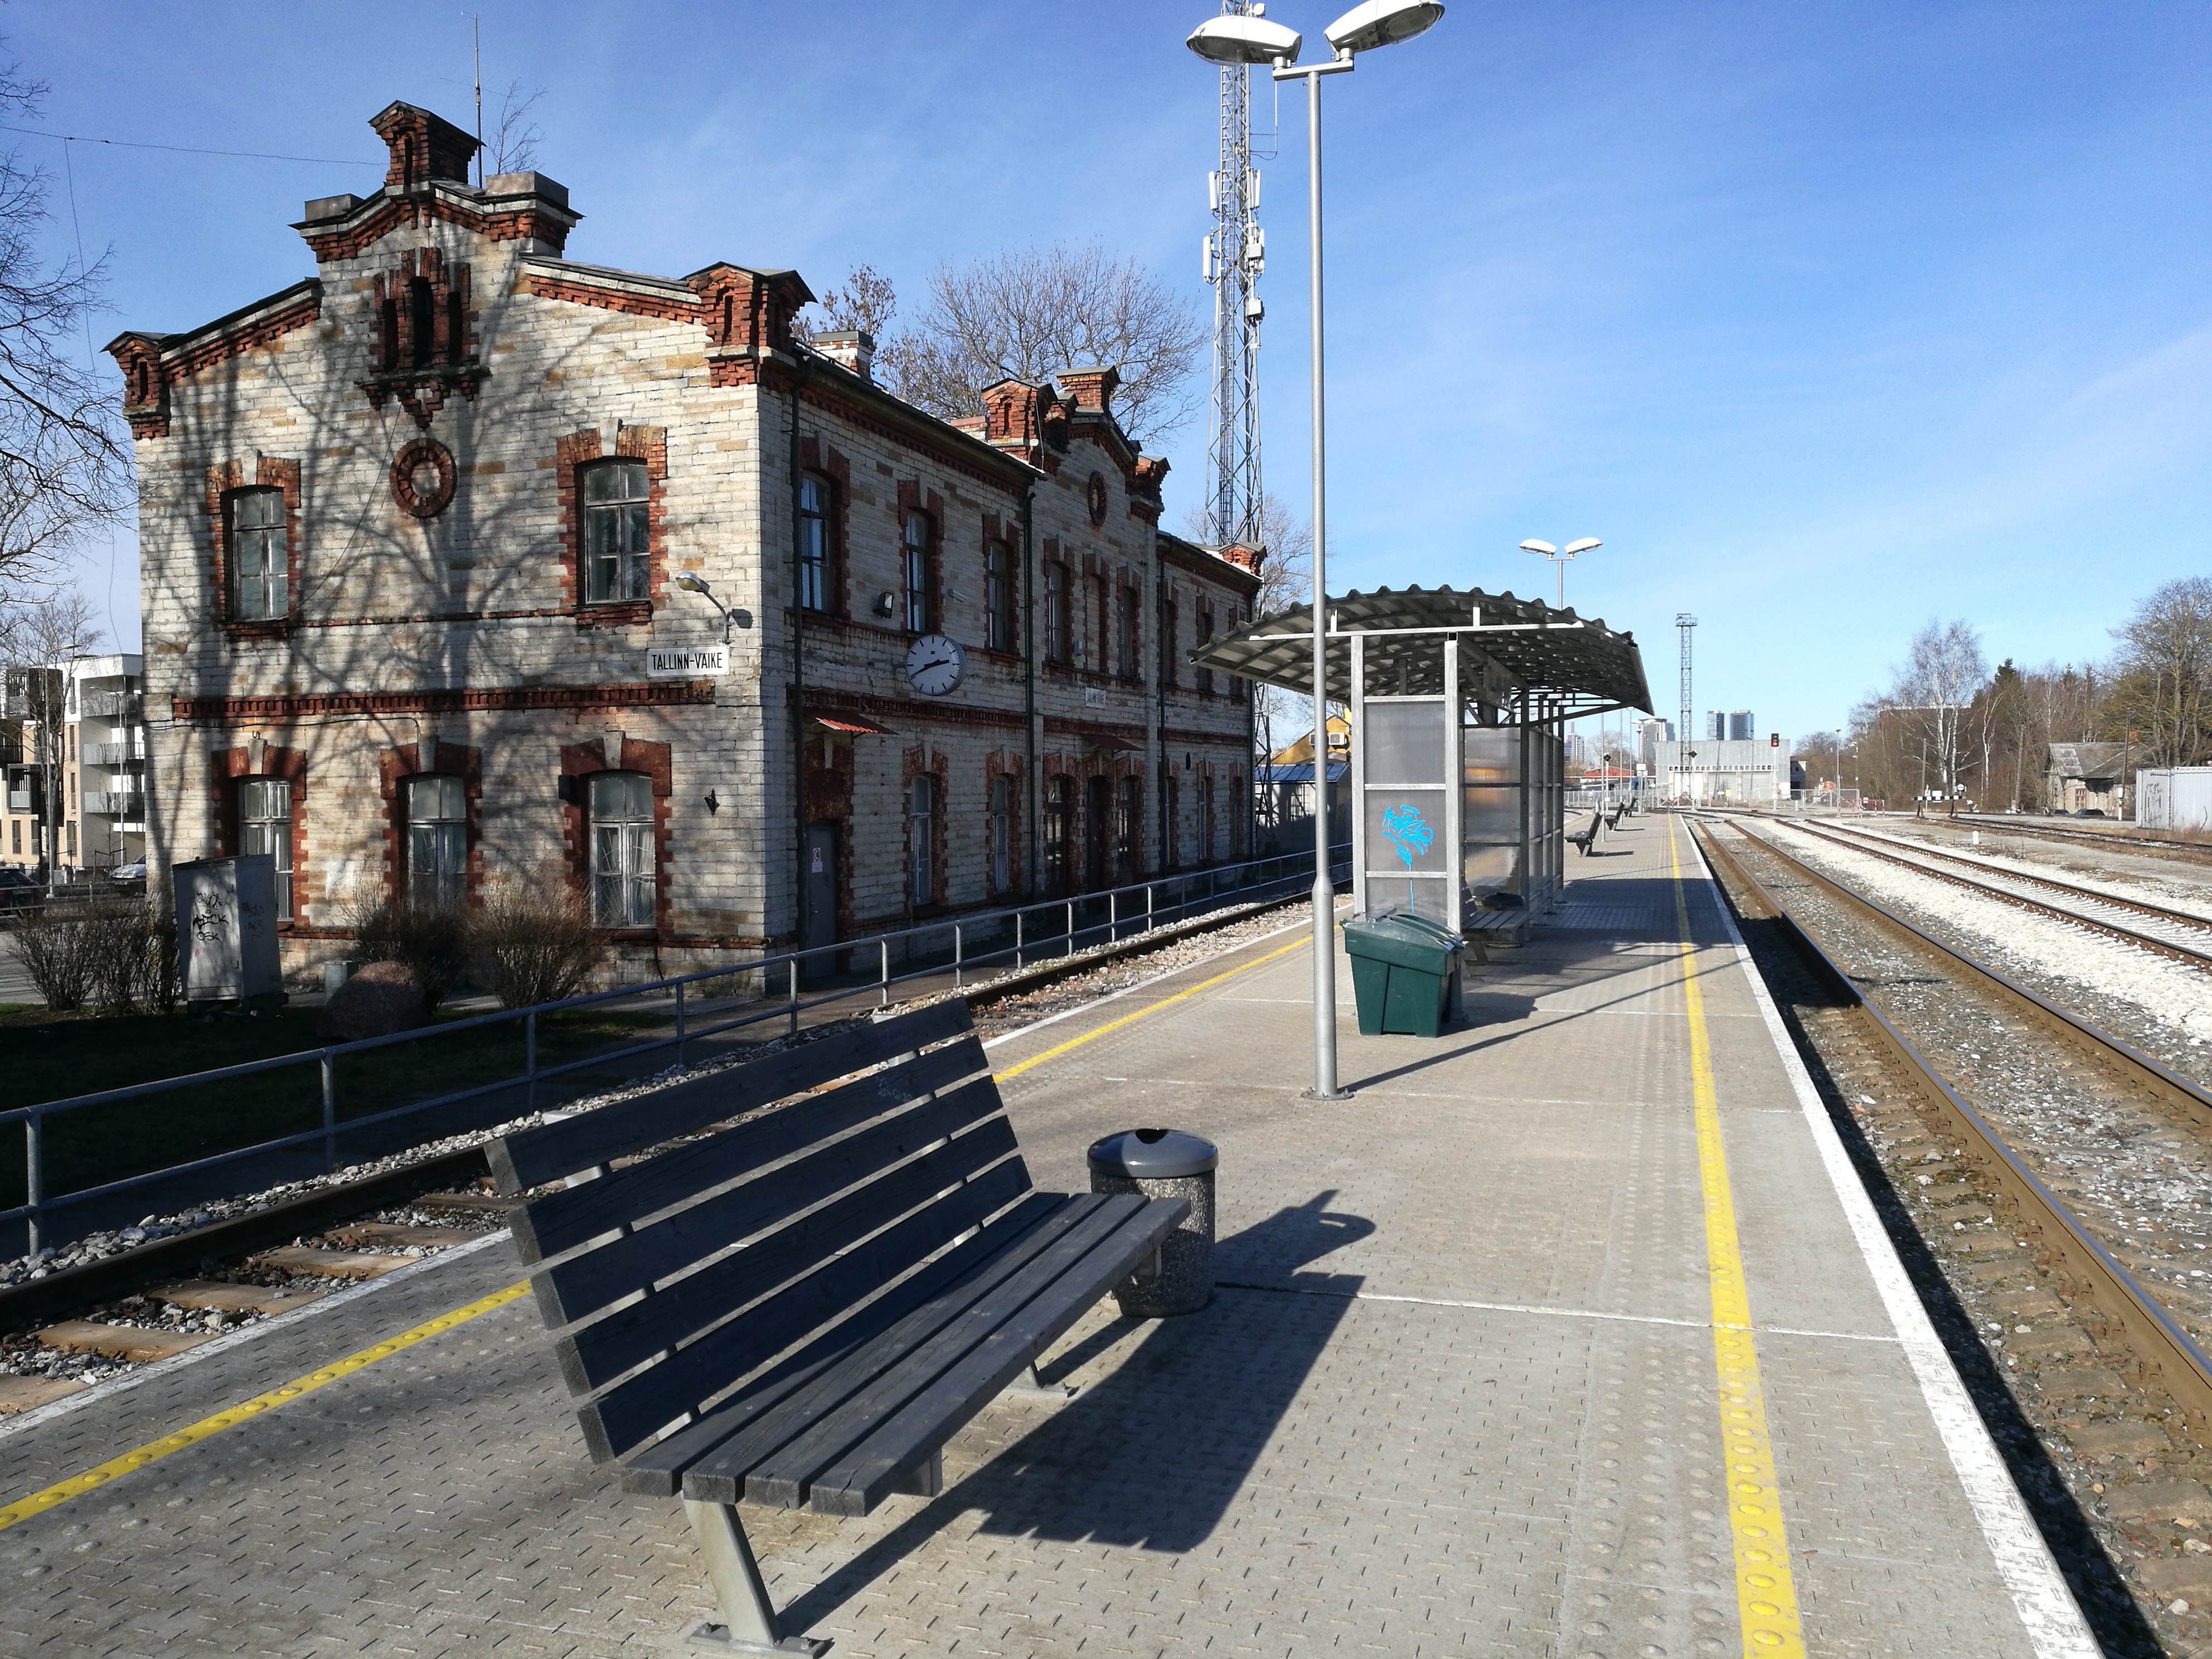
1722, 772
2174, 797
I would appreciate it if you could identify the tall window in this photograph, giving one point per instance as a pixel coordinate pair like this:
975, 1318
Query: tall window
437, 840
1171, 627
1059, 645
1101, 624
623, 876
1171, 810
1059, 815
1128, 809
614, 531
1205, 617
1205, 821
999, 596
919, 609
814, 542
1124, 632
264, 822
921, 822
1002, 834
422, 322
257, 561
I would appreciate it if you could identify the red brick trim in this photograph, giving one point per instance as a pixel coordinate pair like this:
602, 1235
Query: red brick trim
580, 761
398, 213
669, 308
394, 767
1009, 764
224, 347
308, 706
571, 455
421, 503
229, 767
223, 480
913, 498
1009, 475
829, 784
838, 470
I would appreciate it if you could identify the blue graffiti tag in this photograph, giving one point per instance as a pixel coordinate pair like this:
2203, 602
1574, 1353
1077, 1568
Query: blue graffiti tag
1407, 831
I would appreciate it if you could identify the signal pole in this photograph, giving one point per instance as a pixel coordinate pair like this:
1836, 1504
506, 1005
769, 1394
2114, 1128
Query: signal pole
1684, 622
1232, 257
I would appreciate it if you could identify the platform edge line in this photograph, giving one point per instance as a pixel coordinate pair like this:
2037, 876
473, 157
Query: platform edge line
2052, 1619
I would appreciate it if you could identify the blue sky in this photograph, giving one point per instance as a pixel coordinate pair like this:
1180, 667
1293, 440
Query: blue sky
1828, 319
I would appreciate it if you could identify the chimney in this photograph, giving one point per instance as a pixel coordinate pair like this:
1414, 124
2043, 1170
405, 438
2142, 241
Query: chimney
1092, 388
853, 349
1243, 557
423, 147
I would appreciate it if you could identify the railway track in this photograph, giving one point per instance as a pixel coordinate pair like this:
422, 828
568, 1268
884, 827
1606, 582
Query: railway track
2182, 935
2158, 846
2073, 1311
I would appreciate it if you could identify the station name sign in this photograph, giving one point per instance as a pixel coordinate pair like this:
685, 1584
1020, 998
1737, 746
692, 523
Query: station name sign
686, 663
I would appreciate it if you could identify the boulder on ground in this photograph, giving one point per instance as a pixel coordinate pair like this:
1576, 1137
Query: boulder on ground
381, 997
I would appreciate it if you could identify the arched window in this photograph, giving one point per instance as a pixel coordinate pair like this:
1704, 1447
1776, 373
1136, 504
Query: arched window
920, 825
437, 840
814, 542
265, 823
623, 882
259, 567
999, 596
920, 601
1002, 834
617, 528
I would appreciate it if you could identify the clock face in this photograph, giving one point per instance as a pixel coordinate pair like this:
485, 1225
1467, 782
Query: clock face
934, 664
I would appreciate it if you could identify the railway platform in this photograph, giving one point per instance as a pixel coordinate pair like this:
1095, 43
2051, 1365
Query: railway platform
1570, 1334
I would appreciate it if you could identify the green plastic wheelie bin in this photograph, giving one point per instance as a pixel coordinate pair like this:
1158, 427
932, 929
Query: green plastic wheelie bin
1405, 973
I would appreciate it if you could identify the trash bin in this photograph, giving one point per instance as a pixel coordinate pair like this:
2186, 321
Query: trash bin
1163, 1163
1405, 973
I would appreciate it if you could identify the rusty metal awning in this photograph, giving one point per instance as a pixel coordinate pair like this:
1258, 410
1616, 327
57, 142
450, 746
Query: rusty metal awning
1571, 665
851, 723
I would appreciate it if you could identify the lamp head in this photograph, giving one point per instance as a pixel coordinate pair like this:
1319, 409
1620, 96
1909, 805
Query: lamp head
1582, 546
1381, 23
1534, 546
1244, 39
692, 582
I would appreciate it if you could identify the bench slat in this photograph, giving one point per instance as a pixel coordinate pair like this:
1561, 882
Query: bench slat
781, 1478
655, 1470
531, 1157
631, 1411
580, 1286
596, 1353
561, 1220
747, 1431
868, 1474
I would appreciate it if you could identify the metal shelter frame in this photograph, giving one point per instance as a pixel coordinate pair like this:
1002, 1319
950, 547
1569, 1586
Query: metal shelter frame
1411, 666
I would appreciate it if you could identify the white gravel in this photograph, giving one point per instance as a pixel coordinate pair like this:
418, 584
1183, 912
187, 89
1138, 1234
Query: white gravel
2192, 898
2172, 994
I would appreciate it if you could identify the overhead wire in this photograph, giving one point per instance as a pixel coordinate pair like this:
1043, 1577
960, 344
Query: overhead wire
189, 149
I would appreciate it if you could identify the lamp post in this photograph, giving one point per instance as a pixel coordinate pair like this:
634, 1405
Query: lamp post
1243, 38
1561, 557
692, 582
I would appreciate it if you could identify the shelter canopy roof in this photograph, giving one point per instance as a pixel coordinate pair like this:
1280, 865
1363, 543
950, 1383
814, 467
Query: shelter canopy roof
1577, 665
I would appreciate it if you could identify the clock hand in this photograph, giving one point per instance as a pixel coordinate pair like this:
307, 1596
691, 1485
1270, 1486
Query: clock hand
941, 662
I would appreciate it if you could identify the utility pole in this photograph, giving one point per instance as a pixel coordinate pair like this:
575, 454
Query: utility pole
1684, 622
1232, 257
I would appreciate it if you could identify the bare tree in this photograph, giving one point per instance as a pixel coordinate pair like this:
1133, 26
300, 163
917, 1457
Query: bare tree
1029, 314
39, 641
867, 302
62, 465
1285, 539
2163, 692
516, 137
1943, 669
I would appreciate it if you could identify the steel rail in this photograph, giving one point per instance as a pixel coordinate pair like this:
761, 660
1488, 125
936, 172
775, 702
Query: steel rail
2191, 852
2179, 952
2184, 1369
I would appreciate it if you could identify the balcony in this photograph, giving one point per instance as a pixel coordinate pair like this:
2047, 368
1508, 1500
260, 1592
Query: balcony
115, 704
116, 754
115, 803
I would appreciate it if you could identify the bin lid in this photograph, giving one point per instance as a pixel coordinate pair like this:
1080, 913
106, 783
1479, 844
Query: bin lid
1418, 930
1153, 1154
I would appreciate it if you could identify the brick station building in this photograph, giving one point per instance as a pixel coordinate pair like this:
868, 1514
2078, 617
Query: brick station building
420, 535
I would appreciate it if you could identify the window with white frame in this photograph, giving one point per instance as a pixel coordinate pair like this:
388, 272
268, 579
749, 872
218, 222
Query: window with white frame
264, 822
623, 873
1002, 834
437, 840
999, 596
617, 532
920, 602
259, 562
813, 543
920, 825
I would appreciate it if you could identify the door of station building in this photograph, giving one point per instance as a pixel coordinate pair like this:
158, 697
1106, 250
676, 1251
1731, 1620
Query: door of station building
819, 873
1098, 833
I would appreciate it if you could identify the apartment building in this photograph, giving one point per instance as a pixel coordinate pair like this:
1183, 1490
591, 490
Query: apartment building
78, 730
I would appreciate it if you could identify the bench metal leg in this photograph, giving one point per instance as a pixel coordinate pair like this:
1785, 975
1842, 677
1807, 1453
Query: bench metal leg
1029, 1383
748, 1623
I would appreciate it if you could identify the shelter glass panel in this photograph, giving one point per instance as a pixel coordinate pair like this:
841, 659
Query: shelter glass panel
1405, 744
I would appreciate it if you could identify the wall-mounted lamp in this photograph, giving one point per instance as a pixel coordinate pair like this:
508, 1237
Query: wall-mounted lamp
692, 582
713, 805
886, 603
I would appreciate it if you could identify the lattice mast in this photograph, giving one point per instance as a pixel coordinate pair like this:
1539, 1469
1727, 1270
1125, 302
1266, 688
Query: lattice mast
1233, 255
1684, 622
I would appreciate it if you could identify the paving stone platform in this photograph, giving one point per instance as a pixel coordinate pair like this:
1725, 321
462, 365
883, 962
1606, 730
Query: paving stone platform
1456, 1395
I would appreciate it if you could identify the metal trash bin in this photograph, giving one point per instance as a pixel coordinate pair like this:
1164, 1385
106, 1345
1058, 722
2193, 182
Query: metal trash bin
1163, 1163
1405, 973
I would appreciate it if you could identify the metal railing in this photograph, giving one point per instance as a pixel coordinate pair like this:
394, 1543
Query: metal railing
115, 803
962, 947
115, 754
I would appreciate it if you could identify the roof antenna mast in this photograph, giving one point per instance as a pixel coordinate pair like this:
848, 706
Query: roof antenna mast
1232, 258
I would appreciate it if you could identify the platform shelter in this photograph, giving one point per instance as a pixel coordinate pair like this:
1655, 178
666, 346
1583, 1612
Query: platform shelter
1458, 700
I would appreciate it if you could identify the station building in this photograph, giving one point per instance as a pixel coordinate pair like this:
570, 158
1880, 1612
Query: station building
465, 561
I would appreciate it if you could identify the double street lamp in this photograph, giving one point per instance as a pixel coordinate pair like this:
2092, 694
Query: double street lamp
1562, 557
1248, 40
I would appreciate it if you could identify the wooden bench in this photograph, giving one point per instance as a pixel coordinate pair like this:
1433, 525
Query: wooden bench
893, 1273
1613, 818
1583, 836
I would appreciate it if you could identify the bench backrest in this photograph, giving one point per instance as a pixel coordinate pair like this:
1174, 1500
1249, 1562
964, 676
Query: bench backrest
835, 1189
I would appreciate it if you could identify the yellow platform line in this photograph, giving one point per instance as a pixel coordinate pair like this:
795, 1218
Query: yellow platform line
92, 1479
1017, 1069
1765, 1592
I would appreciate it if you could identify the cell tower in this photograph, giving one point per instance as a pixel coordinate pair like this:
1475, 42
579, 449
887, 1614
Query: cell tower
1684, 622
1233, 255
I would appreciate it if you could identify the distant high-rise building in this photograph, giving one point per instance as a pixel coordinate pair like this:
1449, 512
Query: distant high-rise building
1649, 734
1716, 726
1740, 726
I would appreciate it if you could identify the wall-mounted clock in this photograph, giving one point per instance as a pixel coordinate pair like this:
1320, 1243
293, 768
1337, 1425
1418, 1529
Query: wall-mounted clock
934, 664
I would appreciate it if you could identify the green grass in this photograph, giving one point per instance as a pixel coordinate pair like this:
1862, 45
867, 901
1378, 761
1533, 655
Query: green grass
52, 1058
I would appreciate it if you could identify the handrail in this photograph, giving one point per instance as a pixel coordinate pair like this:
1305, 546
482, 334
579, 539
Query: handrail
1130, 911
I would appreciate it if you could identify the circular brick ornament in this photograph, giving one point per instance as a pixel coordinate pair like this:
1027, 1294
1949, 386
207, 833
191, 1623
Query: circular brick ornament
423, 478
1098, 498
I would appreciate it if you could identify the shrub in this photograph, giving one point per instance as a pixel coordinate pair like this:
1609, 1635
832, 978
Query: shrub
52, 946
119, 955
428, 936
532, 945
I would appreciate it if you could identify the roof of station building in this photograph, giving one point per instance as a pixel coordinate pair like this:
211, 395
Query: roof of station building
1577, 663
